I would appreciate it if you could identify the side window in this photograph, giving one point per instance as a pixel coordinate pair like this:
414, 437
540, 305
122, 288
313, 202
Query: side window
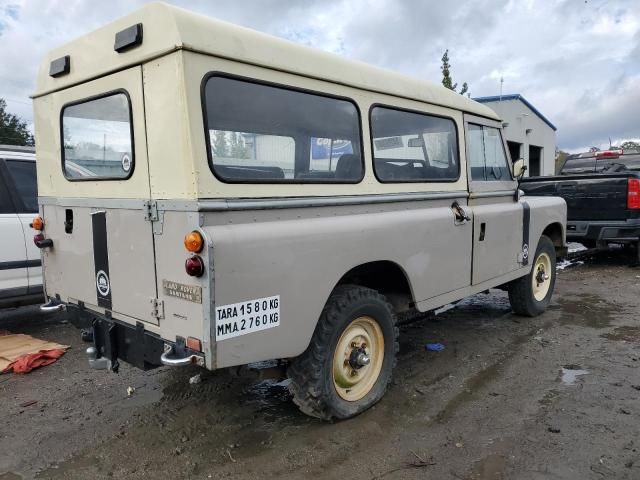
269, 134
413, 147
98, 139
23, 175
475, 152
495, 159
6, 204
486, 154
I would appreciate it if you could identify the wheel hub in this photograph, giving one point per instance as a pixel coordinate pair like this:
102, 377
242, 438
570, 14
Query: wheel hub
541, 276
358, 358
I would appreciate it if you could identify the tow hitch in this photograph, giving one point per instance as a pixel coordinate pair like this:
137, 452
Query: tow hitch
172, 358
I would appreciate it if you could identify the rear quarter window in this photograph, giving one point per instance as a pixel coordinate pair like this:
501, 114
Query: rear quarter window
97, 138
6, 204
23, 177
264, 133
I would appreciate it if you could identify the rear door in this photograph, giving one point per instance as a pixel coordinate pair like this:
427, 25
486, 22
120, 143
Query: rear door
13, 253
497, 217
103, 252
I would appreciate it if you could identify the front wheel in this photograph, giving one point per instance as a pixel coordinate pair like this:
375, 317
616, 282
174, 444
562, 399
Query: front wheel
530, 295
348, 364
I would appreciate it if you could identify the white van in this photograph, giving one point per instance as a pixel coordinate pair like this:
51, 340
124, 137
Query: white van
20, 265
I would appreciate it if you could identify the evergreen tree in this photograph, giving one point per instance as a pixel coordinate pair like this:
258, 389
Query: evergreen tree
13, 130
220, 145
447, 81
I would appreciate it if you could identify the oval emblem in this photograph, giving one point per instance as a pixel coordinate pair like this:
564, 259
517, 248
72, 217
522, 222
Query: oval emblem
102, 283
126, 162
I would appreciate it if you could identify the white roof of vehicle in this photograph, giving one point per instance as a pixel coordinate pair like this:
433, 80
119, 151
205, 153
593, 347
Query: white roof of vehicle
15, 152
167, 29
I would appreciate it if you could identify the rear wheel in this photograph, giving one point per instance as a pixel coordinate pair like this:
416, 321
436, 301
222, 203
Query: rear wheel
348, 364
531, 294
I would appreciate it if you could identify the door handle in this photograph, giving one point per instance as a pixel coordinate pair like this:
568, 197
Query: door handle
459, 213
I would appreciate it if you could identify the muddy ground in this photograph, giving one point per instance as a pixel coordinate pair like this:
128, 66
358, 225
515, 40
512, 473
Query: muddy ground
555, 397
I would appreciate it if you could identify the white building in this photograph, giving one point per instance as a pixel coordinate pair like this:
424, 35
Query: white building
529, 134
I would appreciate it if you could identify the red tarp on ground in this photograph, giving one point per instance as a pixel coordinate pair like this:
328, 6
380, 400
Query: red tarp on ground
22, 353
31, 361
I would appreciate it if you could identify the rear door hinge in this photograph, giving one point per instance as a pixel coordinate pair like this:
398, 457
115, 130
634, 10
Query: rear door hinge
157, 308
151, 211
151, 214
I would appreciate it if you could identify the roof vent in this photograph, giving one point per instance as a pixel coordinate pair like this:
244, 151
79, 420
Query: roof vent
128, 38
60, 66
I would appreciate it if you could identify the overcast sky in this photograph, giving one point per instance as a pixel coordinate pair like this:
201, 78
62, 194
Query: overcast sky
577, 61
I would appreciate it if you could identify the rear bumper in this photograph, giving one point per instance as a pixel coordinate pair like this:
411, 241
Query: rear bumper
624, 231
114, 340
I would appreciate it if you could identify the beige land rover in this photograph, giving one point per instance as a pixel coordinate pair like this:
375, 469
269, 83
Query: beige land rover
213, 195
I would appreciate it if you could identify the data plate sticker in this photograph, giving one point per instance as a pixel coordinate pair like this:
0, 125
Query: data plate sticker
247, 317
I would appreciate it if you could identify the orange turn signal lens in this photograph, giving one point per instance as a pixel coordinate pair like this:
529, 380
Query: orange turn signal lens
193, 242
37, 223
194, 344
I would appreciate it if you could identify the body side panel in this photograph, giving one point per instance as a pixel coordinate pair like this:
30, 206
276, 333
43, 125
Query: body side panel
301, 254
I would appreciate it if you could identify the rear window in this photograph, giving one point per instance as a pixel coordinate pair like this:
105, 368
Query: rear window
98, 139
579, 165
23, 175
260, 133
413, 147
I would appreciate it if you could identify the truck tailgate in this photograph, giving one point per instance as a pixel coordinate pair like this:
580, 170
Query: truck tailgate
588, 197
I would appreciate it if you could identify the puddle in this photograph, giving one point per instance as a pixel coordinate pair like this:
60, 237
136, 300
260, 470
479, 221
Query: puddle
570, 373
491, 467
586, 310
626, 334
564, 263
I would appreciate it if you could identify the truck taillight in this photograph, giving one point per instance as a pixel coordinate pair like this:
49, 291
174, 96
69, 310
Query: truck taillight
194, 266
633, 193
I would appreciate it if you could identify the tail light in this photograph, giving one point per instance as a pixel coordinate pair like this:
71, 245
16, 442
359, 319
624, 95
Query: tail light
194, 266
633, 194
42, 242
37, 223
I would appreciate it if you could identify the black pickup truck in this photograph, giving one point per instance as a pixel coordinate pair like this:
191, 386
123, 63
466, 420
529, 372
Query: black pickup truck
602, 191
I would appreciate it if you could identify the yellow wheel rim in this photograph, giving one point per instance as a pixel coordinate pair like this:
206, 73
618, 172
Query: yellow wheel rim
541, 278
357, 359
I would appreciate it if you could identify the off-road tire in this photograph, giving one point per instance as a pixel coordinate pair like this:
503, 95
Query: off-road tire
311, 373
521, 296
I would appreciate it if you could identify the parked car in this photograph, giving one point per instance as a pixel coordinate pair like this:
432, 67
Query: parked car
277, 203
602, 191
20, 265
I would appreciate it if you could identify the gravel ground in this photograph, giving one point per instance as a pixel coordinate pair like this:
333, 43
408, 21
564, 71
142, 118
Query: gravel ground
555, 397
